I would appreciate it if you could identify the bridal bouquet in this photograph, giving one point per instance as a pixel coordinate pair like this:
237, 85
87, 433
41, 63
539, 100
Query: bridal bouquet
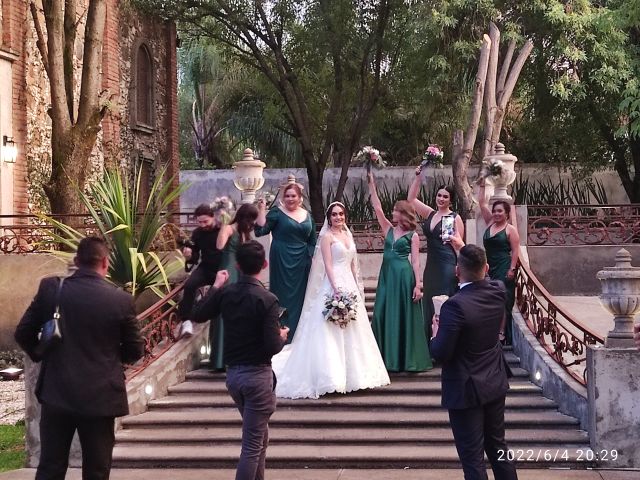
223, 206
368, 157
433, 155
341, 308
491, 169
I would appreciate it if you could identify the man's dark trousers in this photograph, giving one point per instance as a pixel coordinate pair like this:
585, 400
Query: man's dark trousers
202, 275
479, 429
56, 432
252, 389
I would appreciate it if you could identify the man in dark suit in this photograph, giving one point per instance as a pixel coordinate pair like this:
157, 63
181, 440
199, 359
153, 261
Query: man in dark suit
252, 335
474, 377
81, 384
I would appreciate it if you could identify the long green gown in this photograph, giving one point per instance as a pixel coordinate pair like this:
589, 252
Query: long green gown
397, 320
216, 330
439, 272
498, 251
292, 245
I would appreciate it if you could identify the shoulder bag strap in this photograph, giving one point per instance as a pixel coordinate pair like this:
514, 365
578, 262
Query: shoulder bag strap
56, 313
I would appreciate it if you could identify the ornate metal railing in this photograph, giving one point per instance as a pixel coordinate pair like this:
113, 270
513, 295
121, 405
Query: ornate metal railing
563, 336
32, 234
554, 225
157, 327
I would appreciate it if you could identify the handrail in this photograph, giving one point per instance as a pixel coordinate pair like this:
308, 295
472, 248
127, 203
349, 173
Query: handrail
559, 225
157, 325
33, 236
563, 336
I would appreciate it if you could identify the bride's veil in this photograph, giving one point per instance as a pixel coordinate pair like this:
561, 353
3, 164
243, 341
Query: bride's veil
317, 274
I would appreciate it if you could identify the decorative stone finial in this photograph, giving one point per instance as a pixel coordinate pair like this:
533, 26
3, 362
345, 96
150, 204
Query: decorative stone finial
247, 155
621, 296
623, 258
499, 149
291, 178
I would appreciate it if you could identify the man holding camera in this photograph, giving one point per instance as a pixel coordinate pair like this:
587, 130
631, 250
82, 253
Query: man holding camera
202, 247
252, 335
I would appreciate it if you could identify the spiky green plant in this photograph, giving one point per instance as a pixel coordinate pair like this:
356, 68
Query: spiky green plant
113, 207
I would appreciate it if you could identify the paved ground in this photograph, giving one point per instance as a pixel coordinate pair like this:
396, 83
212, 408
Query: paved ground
200, 474
588, 310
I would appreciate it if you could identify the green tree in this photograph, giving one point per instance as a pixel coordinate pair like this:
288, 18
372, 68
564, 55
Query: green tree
329, 62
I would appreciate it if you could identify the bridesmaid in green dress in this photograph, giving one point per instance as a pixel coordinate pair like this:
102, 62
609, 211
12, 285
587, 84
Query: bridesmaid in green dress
439, 272
397, 314
293, 240
502, 244
238, 231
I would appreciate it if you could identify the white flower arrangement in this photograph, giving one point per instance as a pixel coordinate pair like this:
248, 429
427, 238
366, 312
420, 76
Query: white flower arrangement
492, 169
368, 157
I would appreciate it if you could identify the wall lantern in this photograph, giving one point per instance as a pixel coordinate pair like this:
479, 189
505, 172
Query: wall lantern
9, 149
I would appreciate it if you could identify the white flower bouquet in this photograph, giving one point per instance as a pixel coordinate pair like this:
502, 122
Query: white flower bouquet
341, 308
368, 157
490, 170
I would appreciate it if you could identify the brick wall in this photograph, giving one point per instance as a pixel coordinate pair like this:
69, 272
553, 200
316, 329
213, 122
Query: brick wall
118, 143
14, 36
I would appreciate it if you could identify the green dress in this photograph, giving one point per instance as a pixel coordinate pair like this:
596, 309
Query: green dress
439, 272
292, 246
397, 320
498, 251
216, 329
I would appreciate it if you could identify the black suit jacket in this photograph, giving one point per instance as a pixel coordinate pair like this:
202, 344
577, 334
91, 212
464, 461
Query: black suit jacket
473, 368
84, 374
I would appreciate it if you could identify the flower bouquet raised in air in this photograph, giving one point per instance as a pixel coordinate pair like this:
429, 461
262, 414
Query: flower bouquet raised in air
341, 308
433, 155
490, 170
368, 157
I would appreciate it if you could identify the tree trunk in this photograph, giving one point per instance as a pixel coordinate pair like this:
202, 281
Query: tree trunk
460, 180
632, 186
464, 144
315, 176
71, 161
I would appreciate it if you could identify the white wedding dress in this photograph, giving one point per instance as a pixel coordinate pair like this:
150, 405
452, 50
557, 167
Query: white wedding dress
323, 357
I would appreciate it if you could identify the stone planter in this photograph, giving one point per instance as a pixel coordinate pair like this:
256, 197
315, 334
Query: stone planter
508, 176
248, 176
621, 296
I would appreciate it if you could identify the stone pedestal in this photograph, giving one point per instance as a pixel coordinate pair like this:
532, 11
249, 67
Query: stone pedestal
621, 296
613, 387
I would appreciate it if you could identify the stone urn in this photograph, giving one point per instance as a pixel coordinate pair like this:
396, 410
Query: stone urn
248, 176
507, 177
620, 296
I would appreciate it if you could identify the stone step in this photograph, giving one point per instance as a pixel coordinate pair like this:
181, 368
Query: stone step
397, 387
334, 418
346, 435
369, 402
315, 456
518, 373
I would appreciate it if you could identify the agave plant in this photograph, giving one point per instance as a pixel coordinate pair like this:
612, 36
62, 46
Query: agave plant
113, 207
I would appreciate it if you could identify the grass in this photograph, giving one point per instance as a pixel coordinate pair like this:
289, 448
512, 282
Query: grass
12, 451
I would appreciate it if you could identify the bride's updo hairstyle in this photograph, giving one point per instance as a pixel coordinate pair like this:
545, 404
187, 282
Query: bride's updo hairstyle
407, 215
330, 209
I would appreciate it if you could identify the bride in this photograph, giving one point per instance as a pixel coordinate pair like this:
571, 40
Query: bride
323, 357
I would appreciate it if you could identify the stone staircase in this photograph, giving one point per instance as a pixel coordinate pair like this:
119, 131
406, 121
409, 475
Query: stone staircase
397, 426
